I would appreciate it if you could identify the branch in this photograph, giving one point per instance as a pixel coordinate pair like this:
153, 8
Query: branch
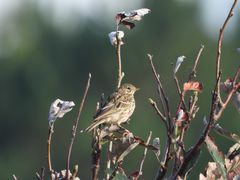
109, 151
14, 177
114, 173
219, 47
162, 95
193, 73
119, 62
181, 94
41, 175
164, 101
74, 129
144, 156
215, 99
96, 145
49, 140
154, 105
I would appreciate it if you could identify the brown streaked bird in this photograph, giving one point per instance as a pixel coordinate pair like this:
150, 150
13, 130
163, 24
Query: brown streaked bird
117, 109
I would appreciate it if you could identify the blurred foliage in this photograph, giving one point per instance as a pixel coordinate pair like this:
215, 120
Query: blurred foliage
39, 63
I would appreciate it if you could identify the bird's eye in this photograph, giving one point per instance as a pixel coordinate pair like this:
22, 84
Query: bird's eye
128, 88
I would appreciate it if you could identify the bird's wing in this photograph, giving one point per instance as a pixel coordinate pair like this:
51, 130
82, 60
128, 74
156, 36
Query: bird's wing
110, 107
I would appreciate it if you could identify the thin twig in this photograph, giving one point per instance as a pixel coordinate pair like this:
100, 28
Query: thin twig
41, 175
115, 171
164, 101
109, 151
75, 172
163, 97
182, 103
193, 73
219, 47
96, 153
14, 177
201, 139
119, 61
163, 118
215, 100
224, 105
49, 141
74, 129
96, 145
144, 156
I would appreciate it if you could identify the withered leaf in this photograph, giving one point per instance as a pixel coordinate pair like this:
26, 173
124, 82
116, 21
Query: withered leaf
192, 86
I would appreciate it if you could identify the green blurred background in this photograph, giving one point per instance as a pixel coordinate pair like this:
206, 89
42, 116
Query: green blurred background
47, 49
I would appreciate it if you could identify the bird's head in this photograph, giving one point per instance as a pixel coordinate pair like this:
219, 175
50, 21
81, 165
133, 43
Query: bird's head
128, 89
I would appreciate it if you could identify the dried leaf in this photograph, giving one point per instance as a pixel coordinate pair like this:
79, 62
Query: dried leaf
217, 155
135, 15
180, 59
192, 86
113, 37
58, 109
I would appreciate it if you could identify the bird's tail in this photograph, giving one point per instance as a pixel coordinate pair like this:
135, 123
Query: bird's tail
93, 125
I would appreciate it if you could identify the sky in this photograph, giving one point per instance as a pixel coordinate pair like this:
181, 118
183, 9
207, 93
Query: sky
68, 13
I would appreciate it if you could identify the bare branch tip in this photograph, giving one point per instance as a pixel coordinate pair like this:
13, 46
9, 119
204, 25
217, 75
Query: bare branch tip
150, 56
151, 101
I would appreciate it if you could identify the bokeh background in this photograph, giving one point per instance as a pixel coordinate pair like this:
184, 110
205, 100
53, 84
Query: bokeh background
47, 49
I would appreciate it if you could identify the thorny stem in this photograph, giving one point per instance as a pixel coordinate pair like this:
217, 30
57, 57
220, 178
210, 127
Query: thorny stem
219, 47
74, 129
49, 140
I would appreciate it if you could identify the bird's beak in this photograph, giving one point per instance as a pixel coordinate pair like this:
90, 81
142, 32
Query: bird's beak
137, 89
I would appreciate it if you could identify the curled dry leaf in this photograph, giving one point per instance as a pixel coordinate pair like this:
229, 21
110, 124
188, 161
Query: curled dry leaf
193, 86
113, 37
58, 109
179, 61
135, 15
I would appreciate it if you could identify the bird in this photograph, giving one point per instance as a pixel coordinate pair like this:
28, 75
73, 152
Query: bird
117, 109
